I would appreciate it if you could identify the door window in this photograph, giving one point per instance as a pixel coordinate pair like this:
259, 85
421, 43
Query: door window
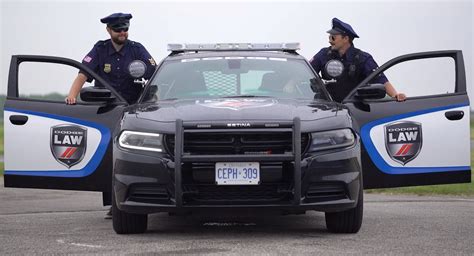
45, 81
423, 77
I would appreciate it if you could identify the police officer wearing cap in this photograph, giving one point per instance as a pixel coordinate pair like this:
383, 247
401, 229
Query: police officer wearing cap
345, 65
118, 60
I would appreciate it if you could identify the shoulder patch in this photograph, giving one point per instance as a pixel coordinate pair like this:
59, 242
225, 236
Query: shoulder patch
87, 59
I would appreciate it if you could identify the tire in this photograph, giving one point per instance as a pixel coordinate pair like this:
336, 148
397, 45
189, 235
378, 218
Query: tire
127, 223
348, 221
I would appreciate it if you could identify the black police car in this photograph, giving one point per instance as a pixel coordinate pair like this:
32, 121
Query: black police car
237, 127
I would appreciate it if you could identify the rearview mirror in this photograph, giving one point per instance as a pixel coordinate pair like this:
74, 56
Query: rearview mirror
371, 91
96, 94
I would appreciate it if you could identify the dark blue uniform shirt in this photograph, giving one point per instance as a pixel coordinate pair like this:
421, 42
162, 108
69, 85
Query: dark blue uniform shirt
367, 62
113, 66
357, 66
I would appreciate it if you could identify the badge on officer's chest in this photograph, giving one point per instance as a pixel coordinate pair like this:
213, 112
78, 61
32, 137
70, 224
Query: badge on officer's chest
107, 68
334, 68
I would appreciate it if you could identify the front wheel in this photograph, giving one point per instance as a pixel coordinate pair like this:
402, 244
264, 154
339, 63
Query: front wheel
348, 221
127, 223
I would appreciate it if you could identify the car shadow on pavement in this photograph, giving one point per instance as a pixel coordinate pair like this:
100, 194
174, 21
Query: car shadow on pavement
312, 223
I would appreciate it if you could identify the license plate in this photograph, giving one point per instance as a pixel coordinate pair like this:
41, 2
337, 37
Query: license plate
239, 173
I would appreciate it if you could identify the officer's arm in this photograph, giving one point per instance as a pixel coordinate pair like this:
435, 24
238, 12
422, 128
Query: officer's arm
91, 60
316, 61
369, 66
76, 88
393, 93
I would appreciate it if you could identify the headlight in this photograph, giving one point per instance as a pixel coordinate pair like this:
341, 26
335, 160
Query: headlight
331, 139
141, 141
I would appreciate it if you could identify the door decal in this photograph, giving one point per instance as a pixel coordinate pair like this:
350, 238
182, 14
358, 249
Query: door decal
435, 146
96, 138
403, 141
68, 144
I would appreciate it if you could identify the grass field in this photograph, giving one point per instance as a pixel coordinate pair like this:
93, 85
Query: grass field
472, 128
1, 138
466, 189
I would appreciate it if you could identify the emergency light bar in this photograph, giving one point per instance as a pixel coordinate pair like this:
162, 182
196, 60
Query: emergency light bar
234, 47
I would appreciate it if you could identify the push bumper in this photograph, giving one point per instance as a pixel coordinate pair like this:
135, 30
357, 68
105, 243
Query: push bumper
327, 182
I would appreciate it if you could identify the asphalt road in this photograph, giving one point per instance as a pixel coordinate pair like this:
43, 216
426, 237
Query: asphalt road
63, 222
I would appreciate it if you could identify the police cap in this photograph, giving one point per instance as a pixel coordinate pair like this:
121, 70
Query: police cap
340, 27
117, 20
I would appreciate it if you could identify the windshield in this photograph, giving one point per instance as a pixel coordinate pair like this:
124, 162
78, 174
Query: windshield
215, 77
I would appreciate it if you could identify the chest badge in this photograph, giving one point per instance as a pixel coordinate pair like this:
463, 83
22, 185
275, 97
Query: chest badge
334, 68
107, 68
137, 68
403, 141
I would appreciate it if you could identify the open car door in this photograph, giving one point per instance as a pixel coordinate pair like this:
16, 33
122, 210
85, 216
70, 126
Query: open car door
51, 145
423, 140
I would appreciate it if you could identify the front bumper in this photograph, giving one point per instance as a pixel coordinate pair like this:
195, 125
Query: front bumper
328, 181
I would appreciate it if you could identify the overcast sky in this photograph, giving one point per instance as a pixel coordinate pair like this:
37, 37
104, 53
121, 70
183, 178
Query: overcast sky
387, 29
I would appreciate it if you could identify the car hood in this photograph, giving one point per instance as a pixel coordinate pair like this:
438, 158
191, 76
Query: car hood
230, 109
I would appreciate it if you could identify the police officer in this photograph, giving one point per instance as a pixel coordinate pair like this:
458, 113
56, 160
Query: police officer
345, 65
117, 60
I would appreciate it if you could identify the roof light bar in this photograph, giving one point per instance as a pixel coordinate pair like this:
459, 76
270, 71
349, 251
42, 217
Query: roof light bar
234, 47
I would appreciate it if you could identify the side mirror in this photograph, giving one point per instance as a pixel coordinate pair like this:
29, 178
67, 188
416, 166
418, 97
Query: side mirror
371, 91
96, 94
316, 85
150, 95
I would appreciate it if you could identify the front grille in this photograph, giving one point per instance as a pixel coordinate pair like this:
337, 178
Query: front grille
272, 147
264, 143
236, 194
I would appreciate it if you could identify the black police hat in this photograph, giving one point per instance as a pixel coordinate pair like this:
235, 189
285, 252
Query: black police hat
340, 27
117, 20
